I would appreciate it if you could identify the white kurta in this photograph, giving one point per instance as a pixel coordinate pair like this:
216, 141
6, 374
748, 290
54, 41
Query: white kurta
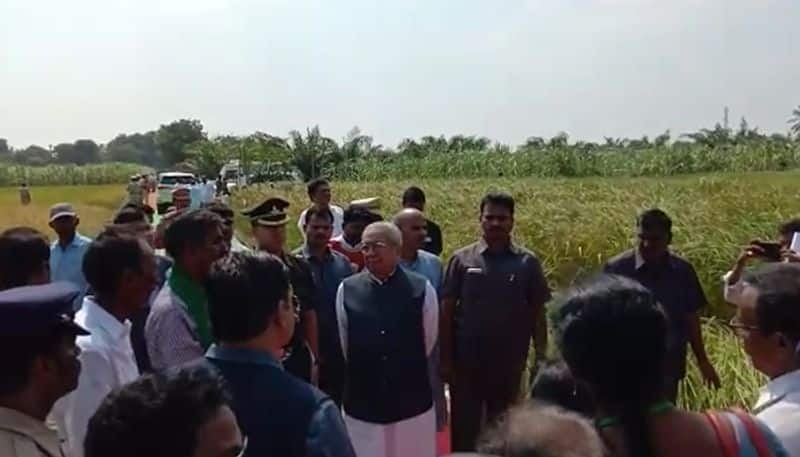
413, 437
107, 363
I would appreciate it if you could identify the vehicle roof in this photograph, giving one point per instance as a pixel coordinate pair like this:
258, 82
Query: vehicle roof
176, 174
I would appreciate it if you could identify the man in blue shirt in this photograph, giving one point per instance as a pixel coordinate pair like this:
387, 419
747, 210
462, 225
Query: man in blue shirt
253, 317
329, 269
66, 253
413, 226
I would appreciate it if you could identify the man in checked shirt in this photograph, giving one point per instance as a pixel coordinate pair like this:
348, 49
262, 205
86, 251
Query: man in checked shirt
178, 328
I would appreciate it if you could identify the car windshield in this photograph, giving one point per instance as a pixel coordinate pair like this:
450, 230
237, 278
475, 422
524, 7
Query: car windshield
173, 180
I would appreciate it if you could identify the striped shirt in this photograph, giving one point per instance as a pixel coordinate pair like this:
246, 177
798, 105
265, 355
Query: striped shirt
170, 332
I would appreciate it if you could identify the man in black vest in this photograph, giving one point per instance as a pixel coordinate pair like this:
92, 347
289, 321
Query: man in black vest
253, 318
388, 324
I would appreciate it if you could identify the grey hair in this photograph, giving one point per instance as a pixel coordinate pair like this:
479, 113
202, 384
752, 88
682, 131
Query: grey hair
388, 231
540, 430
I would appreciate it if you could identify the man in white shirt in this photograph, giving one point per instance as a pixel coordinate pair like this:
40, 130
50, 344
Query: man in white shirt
388, 324
732, 284
768, 323
319, 192
121, 270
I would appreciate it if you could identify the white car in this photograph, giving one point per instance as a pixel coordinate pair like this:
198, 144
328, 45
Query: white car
167, 182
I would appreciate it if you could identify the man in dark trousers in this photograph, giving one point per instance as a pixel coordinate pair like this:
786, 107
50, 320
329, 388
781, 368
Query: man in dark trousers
414, 197
674, 283
329, 269
498, 291
253, 317
268, 220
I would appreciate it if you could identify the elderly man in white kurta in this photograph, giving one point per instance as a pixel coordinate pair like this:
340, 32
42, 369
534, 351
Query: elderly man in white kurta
388, 324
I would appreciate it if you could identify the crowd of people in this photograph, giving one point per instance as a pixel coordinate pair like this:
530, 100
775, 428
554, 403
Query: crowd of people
180, 340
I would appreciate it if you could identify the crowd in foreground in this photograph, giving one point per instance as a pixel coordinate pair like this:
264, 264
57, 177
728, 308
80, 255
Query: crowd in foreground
180, 340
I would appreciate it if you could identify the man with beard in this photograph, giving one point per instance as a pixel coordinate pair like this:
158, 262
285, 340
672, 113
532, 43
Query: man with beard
40, 365
177, 330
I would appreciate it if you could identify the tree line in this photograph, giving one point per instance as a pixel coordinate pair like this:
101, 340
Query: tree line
185, 144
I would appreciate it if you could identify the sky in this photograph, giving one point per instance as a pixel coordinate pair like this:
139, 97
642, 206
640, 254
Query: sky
505, 69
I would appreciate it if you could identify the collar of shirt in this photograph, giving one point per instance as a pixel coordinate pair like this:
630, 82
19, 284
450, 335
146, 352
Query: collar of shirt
416, 263
77, 241
17, 422
242, 355
381, 281
777, 389
639, 261
238, 246
483, 246
305, 252
94, 317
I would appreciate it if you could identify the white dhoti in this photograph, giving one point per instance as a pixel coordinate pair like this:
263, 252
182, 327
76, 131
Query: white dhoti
414, 437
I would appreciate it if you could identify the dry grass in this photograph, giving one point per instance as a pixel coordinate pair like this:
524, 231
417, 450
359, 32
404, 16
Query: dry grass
95, 206
574, 225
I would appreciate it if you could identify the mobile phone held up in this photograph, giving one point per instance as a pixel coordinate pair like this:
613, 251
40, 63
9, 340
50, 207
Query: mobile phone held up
769, 251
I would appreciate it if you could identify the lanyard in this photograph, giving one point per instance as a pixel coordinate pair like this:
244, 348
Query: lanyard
654, 410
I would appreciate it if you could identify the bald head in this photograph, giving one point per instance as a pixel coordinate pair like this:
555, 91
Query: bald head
413, 226
406, 216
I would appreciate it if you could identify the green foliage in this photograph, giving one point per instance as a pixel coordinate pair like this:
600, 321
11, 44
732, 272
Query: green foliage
740, 381
207, 157
108, 173
81, 152
33, 155
172, 139
262, 156
134, 148
794, 122
575, 225
312, 154
5, 150
710, 151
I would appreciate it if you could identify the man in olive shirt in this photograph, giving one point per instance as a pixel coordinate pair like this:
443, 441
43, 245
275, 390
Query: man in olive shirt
674, 283
40, 365
269, 220
497, 290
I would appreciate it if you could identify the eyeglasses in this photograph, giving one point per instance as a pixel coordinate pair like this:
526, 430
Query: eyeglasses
740, 328
243, 449
373, 246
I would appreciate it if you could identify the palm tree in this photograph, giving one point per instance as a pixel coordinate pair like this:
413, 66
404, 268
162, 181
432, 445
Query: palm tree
355, 146
794, 122
313, 153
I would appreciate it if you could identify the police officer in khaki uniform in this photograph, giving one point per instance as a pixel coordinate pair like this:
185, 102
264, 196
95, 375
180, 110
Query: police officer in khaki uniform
40, 365
268, 220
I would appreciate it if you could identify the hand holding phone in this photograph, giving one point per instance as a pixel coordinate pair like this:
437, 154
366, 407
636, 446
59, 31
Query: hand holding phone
766, 250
